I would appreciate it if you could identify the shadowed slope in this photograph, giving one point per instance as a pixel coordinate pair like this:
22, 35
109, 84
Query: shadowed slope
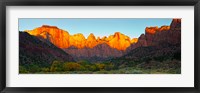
33, 50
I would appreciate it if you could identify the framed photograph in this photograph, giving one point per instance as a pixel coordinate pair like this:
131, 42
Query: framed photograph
99, 46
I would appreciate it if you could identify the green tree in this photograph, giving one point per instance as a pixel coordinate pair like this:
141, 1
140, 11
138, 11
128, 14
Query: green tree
56, 66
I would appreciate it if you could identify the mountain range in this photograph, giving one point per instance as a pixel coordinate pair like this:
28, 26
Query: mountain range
155, 42
63, 39
85, 48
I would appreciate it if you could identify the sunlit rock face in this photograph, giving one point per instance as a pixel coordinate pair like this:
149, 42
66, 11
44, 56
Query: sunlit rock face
57, 36
91, 41
77, 40
63, 39
153, 30
119, 41
134, 40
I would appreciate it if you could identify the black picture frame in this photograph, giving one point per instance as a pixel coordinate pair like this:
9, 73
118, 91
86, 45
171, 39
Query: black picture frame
4, 3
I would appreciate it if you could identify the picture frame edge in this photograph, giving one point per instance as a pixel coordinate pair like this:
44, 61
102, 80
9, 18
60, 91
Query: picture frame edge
3, 88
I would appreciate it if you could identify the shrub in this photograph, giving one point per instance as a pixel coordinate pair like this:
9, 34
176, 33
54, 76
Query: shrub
22, 69
34, 68
45, 69
71, 66
93, 68
100, 66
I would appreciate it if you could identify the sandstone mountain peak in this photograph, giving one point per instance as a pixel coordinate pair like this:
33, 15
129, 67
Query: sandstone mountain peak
77, 40
48, 26
58, 37
117, 34
134, 40
176, 23
63, 39
91, 36
78, 35
153, 30
119, 41
155, 36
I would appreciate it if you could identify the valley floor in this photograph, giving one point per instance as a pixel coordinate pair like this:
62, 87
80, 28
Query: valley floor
107, 67
127, 70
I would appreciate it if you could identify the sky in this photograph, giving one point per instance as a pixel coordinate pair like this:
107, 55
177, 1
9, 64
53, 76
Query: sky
132, 27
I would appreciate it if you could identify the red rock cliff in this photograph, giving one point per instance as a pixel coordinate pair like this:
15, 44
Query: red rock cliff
63, 39
155, 36
57, 36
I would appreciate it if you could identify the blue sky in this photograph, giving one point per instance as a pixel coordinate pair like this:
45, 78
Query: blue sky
132, 27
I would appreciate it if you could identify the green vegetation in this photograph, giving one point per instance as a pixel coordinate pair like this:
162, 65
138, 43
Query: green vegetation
107, 67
